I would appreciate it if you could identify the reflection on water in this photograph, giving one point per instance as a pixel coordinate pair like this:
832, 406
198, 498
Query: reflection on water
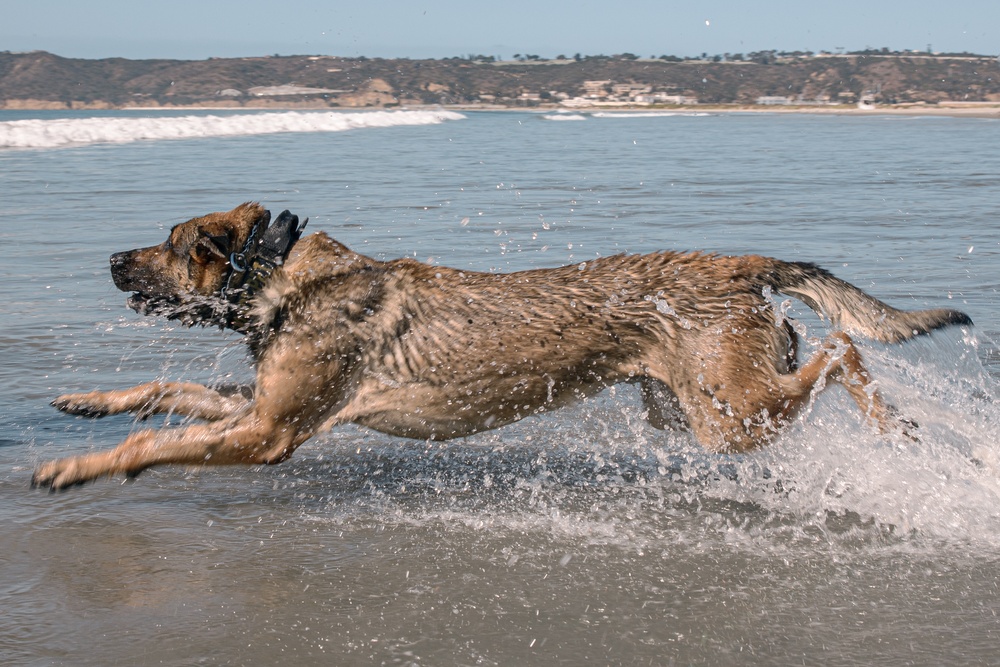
579, 537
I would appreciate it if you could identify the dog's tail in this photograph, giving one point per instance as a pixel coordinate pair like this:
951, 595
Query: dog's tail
853, 310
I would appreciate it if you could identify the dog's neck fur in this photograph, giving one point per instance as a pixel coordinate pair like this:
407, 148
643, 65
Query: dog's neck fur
314, 263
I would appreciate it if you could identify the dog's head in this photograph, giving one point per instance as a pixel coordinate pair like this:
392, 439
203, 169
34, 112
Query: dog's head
193, 262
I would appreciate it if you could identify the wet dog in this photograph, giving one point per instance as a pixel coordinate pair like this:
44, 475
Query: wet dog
431, 352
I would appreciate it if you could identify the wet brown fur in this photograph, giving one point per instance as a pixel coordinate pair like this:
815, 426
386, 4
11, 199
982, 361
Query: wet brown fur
432, 352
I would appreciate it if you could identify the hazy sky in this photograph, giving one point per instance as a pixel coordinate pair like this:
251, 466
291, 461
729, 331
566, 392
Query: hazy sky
196, 29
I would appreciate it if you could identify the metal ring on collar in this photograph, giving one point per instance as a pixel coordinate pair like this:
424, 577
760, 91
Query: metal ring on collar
238, 261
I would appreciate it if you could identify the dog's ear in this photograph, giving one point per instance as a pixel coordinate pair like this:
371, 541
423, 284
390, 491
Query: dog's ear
210, 248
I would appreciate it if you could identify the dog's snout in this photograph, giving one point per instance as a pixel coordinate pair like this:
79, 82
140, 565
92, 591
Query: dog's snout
120, 269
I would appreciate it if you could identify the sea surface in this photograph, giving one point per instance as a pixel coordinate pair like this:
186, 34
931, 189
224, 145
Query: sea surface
581, 537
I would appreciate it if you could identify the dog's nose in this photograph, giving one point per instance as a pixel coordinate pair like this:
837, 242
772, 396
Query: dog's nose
120, 269
119, 259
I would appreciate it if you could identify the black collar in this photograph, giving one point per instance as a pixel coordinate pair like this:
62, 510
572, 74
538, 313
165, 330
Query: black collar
265, 249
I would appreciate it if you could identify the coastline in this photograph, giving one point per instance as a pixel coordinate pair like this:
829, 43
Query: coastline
951, 110
985, 111
990, 110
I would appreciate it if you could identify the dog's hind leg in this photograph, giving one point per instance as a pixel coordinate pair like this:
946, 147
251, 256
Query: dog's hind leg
739, 415
849, 370
838, 360
182, 398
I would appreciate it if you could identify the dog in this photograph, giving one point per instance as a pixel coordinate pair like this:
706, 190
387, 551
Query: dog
431, 352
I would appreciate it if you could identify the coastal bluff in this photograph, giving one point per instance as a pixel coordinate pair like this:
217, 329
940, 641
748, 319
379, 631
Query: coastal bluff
41, 80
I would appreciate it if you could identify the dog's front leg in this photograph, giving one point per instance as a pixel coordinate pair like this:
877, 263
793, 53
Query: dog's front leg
248, 439
297, 389
183, 398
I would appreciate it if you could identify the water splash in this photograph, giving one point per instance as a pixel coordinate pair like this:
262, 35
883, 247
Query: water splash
598, 473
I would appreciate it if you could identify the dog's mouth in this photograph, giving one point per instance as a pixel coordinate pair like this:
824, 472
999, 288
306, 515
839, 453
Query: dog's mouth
189, 310
140, 303
147, 304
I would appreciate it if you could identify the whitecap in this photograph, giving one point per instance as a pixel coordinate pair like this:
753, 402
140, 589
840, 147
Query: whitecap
65, 132
648, 114
564, 116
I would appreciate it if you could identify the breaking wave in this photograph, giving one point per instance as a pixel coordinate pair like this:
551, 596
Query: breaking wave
66, 132
568, 115
648, 114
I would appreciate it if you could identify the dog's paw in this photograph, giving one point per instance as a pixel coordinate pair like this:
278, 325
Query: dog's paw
906, 427
59, 475
83, 405
909, 428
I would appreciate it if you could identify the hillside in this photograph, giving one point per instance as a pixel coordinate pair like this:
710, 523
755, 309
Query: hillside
44, 80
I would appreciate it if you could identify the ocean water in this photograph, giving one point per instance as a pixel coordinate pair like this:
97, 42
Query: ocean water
577, 537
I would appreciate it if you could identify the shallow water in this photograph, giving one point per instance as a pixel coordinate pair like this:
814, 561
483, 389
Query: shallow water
580, 537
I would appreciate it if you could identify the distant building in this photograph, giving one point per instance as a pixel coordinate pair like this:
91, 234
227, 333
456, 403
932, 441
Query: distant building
596, 88
663, 98
290, 89
629, 89
773, 100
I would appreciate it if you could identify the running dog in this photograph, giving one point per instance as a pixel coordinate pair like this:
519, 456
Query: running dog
431, 352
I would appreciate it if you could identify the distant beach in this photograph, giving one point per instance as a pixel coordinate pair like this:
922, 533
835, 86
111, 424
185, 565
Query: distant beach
963, 111
951, 109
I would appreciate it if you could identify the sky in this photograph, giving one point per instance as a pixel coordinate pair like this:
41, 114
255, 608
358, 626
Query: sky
198, 29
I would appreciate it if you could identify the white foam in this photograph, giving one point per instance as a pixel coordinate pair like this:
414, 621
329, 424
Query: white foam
944, 486
571, 475
564, 116
64, 132
647, 114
